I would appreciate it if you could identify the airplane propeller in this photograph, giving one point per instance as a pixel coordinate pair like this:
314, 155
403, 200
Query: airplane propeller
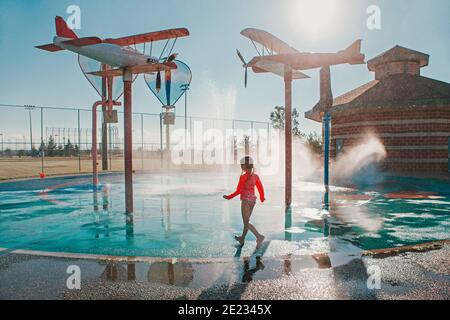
172, 57
158, 81
245, 65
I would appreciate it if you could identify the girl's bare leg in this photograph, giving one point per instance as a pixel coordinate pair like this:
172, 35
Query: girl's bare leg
247, 210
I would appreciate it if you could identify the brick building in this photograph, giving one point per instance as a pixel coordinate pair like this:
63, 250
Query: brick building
409, 113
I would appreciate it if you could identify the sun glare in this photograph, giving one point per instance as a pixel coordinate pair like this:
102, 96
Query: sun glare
314, 16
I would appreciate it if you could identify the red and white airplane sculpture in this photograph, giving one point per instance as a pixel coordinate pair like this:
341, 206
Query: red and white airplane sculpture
116, 53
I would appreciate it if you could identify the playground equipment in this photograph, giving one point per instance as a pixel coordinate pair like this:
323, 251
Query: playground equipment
324, 105
108, 98
279, 58
118, 59
175, 83
108, 90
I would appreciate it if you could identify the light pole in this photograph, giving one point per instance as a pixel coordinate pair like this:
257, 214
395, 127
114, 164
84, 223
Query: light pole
1, 134
30, 108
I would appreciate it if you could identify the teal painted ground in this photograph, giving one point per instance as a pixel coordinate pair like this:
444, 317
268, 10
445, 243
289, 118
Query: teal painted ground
184, 215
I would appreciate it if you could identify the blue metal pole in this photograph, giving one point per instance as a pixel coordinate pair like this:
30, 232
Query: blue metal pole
326, 150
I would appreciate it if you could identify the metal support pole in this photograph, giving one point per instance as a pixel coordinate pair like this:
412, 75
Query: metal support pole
192, 141
160, 139
31, 131
104, 145
104, 125
142, 140
185, 118
110, 145
167, 144
42, 140
251, 133
288, 224
288, 134
94, 144
326, 150
128, 141
79, 141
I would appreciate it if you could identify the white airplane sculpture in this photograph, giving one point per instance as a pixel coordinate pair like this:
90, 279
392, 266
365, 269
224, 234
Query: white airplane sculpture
116, 52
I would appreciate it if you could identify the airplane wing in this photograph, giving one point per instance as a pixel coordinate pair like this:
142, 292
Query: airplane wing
50, 47
264, 65
306, 60
149, 37
145, 68
268, 40
81, 42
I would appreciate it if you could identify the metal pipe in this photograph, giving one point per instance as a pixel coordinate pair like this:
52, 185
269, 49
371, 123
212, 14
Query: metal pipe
142, 139
167, 143
160, 139
288, 134
79, 141
326, 123
105, 86
128, 141
31, 130
94, 144
110, 145
42, 140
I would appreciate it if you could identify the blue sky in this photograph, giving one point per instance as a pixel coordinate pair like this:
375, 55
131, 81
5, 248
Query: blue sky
30, 76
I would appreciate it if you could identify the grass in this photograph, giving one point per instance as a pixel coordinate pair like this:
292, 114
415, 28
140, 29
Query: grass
26, 167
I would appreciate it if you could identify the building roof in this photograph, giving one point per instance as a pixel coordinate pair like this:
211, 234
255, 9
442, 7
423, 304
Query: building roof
398, 53
396, 89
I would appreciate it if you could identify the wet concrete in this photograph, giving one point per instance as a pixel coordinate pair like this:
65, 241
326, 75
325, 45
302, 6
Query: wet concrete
410, 275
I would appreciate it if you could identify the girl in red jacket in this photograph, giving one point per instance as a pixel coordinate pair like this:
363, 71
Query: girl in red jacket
246, 188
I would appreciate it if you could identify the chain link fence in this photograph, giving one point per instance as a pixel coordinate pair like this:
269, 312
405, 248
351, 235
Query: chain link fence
56, 140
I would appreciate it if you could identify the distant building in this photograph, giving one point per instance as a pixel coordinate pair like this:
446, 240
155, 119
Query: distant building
409, 113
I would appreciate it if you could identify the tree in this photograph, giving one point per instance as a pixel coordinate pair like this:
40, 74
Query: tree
34, 152
314, 142
69, 149
59, 150
51, 147
277, 117
42, 148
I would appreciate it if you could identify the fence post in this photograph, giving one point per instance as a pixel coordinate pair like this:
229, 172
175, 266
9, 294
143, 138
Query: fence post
79, 141
110, 145
192, 141
42, 140
142, 140
251, 136
160, 140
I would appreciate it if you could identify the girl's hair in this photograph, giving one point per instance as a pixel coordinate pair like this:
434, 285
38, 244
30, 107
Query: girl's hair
247, 164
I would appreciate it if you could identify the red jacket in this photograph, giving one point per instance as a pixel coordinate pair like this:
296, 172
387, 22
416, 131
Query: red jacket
247, 190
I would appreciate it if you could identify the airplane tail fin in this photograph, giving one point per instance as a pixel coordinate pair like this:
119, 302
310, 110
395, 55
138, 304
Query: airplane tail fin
62, 30
354, 53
